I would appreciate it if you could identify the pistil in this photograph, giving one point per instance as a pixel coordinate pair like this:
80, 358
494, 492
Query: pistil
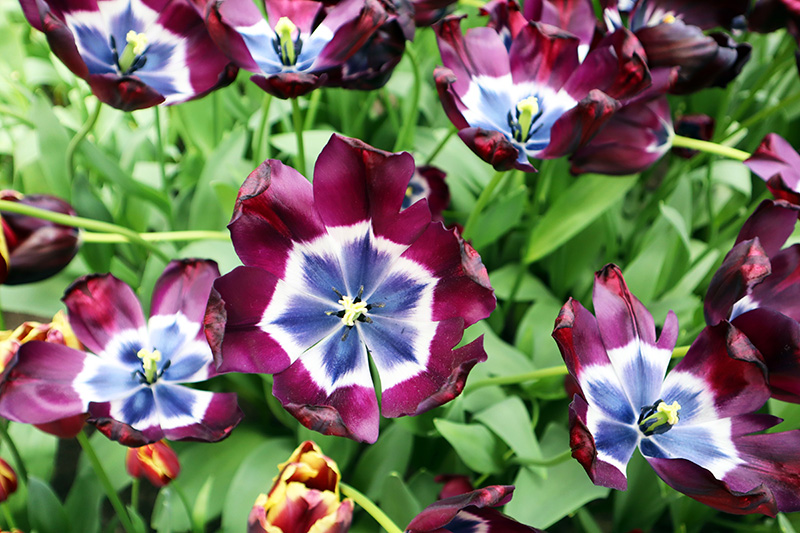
149, 363
353, 310
659, 417
137, 44
527, 109
285, 29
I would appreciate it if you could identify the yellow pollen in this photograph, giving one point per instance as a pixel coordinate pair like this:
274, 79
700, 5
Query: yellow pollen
150, 363
352, 310
285, 29
527, 109
668, 19
409, 191
671, 411
138, 41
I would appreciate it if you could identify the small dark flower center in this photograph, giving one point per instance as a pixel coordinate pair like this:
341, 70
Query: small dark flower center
149, 373
522, 118
133, 56
658, 418
286, 46
353, 310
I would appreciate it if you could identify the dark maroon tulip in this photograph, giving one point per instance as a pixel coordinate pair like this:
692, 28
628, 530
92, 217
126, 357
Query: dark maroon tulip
428, 183
37, 249
163, 55
778, 164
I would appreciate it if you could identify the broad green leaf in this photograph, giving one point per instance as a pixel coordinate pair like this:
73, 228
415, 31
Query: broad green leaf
112, 456
391, 453
53, 141
44, 508
530, 287
500, 217
588, 198
512, 423
475, 445
84, 502
37, 448
313, 143
398, 501
640, 506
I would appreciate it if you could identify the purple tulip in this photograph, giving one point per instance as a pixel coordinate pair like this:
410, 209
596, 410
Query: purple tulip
133, 53
336, 271
697, 427
778, 164
131, 387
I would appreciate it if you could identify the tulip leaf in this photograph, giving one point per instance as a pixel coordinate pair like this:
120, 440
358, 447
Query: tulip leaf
566, 489
397, 500
37, 449
253, 477
577, 207
642, 504
84, 502
53, 141
500, 217
511, 422
479, 449
391, 453
44, 508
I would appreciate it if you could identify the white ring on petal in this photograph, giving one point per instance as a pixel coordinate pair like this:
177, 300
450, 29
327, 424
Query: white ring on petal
641, 368
184, 344
693, 394
118, 346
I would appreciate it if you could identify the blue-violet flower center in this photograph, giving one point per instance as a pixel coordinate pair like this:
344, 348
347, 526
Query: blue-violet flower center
658, 418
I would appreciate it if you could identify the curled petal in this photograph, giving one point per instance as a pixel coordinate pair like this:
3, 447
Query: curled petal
184, 288
744, 266
495, 148
440, 513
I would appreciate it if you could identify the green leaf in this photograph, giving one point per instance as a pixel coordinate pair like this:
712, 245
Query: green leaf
588, 198
53, 140
37, 449
641, 505
398, 501
566, 489
500, 217
313, 143
84, 502
253, 477
44, 508
512, 423
391, 453
475, 445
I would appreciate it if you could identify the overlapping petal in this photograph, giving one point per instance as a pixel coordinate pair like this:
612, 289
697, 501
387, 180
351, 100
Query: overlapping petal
335, 283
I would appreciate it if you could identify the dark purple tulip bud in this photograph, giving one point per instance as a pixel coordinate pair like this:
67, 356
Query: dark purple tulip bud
37, 249
696, 127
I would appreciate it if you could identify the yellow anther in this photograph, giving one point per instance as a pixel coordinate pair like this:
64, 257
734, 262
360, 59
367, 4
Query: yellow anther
138, 41
285, 29
668, 18
352, 310
409, 191
149, 363
671, 412
527, 109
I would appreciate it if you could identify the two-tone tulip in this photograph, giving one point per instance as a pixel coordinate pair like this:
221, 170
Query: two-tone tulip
304, 497
156, 462
8, 480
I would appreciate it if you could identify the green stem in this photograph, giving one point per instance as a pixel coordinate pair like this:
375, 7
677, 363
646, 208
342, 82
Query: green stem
19, 116
390, 110
135, 494
679, 141
550, 461
440, 146
755, 118
79, 222
300, 161
712, 223
196, 528
12, 526
373, 510
483, 199
79, 136
405, 139
262, 134
542, 373
160, 147
158, 236
311, 112
112, 495
22, 472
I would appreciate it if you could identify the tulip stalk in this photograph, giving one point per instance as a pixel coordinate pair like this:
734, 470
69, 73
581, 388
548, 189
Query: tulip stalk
262, 135
679, 141
297, 115
12, 447
112, 495
481, 202
157, 236
369, 506
405, 138
160, 148
79, 136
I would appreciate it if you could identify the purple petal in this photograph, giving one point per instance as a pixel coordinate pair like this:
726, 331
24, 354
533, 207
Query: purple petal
186, 413
184, 288
744, 266
776, 157
358, 21
100, 307
495, 148
579, 124
772, 222
780, 291
440, 513
543, 55
39, 387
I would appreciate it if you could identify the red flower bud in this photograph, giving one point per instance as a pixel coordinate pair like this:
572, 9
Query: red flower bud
8, 480
157, 462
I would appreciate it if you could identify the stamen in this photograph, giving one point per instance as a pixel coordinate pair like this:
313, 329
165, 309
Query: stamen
137, 45
527, 109
352, 310
669, 18
285, 28
659, 417
149, 363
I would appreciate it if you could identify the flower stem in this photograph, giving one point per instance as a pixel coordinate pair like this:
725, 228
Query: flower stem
759, 116
441, 145
16, 115
542, 373
21, 470
549, 461
262, 135
160, 147
373, 510
135, 494
12, 526
405, 138
297, 115
679, 141
158, 236
79, 136
79, 222
483, 199
112, 495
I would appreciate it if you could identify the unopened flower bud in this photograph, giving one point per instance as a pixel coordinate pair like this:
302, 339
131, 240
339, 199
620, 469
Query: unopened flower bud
157, 462
8, 480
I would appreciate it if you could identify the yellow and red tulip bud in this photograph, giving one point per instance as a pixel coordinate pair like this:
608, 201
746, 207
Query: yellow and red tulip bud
157, 462
304, 497
8, 480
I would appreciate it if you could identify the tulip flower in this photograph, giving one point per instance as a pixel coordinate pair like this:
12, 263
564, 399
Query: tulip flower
133, 53
304, 497
131, 383
428, 183
471, 512
337, 273
291, 51
8, 481
778, 164
697, 426
36, 249
157, 462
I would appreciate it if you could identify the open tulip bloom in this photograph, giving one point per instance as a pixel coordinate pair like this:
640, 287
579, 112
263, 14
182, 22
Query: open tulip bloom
291, 51
530, 96
131, 387
336, 273
697, 427
133, 53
